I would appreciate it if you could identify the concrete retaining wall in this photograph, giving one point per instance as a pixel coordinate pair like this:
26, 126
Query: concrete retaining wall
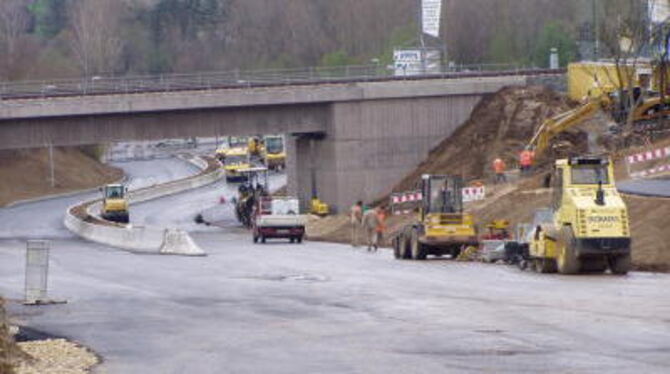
141, 238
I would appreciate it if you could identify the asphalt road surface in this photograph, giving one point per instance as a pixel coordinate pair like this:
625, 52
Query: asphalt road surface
646, 187
44, 219
328, 308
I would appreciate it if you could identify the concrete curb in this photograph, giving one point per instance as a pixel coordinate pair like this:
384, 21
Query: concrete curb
141, 239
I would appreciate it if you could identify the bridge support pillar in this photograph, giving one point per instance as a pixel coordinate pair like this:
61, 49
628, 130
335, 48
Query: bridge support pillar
369, 146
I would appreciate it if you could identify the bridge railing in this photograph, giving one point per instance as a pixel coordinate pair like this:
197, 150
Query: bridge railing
109, 85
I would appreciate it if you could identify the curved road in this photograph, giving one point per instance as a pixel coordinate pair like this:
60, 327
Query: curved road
328, 308
44, 219
646, 187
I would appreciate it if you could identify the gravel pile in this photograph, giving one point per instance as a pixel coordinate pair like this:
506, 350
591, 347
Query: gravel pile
56, 356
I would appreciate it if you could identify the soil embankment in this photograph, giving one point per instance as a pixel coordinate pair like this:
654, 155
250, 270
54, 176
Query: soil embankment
26, 173
500, 126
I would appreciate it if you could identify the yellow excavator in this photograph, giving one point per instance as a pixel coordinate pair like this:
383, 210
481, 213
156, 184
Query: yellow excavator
115, 203
565, 121
442, 227
587, 228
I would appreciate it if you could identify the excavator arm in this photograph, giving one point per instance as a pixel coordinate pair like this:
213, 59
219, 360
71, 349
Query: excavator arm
562, 122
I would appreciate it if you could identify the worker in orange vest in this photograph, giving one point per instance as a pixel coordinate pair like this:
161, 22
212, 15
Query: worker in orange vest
499, 169
526, 159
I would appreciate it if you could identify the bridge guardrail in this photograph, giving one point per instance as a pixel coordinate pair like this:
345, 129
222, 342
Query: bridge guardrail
108, 85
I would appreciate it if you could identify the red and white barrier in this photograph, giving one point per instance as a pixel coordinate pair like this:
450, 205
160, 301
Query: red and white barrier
400, 201
654, 154
406, 197
651, 155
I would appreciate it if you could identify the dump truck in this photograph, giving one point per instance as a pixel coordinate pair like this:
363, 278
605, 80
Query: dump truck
277, 217
115, 203
586, 229
237, 159
442, 227
274, 153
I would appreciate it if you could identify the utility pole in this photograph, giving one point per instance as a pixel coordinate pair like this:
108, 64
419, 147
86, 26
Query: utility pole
596, 30
51, 165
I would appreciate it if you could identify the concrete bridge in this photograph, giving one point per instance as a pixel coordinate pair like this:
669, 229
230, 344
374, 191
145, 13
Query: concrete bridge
358, 136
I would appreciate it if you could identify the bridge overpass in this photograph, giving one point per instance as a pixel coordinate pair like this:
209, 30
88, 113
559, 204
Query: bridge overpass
358, 134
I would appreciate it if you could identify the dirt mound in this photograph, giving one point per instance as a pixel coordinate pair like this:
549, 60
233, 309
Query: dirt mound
500, 126
25, 173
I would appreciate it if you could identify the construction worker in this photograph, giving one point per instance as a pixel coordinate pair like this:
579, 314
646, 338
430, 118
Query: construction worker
372, 226
526, 159
381, 227
499, 169
356, 215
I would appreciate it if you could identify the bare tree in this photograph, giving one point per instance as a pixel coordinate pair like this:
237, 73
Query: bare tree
13, 23
94, 35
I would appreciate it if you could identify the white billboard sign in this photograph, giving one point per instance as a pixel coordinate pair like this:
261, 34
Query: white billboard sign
407, 62
431, 11
659, 10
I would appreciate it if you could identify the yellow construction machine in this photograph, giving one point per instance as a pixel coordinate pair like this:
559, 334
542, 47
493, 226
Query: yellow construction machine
442, 227
237, 160
115, 203
273, 152
318, 207
586, 229
563, 122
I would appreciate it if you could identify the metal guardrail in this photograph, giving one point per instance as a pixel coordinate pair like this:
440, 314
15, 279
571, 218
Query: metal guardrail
100, 85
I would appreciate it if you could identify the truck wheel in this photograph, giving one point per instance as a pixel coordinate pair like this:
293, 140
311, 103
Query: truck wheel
418, 249
545, 265
263, 239
299, 239
456, 251
620, 265
255, 238
291, 240
594, 265
568, 263
396, 248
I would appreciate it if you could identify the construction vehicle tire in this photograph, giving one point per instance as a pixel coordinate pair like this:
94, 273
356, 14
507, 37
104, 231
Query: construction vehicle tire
396, 248
545, 265
455, 252
405, 252
620, 265
418, 249
568, 262
594, 265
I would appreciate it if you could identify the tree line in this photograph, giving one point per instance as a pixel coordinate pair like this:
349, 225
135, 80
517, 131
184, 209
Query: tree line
66, 38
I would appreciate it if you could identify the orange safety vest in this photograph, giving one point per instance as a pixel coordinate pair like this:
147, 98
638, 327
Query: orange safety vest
499, 166
526, 158
381, 222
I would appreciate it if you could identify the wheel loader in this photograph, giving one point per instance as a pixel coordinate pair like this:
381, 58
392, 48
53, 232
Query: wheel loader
115, 203
441, 227
586, 229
